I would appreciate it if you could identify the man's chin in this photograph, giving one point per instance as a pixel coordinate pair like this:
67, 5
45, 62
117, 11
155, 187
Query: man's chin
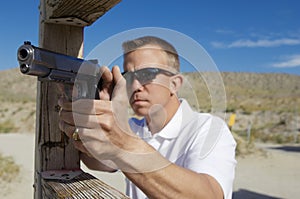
141, 112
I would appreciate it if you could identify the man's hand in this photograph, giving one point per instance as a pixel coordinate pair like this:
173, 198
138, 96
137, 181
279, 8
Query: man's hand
102, 125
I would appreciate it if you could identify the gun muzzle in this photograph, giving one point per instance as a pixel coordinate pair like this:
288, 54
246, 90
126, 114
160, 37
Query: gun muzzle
24, 54
28, 63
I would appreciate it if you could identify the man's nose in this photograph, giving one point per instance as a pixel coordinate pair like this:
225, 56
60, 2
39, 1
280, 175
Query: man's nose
136, 85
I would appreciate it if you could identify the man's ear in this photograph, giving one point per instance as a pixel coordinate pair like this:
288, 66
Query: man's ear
175, 83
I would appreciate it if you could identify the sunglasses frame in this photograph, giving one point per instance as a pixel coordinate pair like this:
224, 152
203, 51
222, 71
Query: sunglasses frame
145, 75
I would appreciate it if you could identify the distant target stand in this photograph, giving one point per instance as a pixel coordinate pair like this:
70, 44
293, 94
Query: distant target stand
231, 120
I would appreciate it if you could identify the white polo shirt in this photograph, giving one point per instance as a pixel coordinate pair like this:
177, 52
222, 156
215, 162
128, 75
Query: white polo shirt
196, 141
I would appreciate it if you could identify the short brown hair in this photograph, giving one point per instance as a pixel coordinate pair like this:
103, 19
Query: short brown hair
131, 45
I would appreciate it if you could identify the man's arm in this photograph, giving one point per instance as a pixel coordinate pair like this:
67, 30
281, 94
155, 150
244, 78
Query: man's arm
94, 164
170, 181
176, 182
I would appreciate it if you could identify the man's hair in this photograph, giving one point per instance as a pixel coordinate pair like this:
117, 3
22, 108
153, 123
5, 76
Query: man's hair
131, 45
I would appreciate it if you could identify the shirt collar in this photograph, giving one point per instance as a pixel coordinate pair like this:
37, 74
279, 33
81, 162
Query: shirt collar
170, 131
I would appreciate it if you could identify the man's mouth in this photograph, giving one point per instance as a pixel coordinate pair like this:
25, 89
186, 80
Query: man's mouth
138, 102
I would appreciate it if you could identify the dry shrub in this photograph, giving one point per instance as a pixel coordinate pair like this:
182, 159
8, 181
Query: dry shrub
8, 169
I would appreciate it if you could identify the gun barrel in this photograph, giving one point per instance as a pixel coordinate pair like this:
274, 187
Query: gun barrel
55, 67
24, 53
41, 62
26, 58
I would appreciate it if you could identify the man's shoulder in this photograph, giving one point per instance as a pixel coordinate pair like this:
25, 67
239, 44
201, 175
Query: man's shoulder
208, 120
204, 116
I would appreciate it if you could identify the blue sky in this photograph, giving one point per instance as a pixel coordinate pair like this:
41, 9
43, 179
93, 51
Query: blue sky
240, 36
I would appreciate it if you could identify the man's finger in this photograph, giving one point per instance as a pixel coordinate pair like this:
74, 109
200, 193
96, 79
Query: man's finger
80, 120
106, 75
106, 83
120, 84
116, 74
86, 106
65, 104
120, 101
67, 128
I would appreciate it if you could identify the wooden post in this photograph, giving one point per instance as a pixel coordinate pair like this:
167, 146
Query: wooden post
61, 30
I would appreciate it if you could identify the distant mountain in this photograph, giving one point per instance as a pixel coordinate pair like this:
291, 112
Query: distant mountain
14, 86
269, 104
250, 91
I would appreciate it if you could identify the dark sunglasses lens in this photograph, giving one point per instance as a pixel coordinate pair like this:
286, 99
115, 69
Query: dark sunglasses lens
129, 76
145, 75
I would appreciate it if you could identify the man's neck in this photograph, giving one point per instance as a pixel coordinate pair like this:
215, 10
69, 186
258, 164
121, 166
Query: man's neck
160, 116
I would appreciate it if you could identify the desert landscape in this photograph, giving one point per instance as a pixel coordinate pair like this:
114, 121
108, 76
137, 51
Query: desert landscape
266, 128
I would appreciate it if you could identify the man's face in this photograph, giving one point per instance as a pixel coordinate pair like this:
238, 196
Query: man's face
145, 94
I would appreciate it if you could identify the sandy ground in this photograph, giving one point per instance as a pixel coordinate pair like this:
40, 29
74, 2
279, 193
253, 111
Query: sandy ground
275, 174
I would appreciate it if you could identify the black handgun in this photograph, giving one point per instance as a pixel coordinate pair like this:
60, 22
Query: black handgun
55, 67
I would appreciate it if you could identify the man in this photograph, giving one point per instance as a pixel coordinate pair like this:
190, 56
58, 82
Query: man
172, 151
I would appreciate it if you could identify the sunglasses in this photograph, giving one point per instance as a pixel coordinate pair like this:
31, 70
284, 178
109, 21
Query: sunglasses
145, 75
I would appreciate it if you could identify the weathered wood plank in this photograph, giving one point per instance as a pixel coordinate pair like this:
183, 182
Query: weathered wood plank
82, 186
76, 12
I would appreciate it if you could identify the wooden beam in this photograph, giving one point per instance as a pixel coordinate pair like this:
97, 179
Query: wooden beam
82, 186
53, 150
76, 12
